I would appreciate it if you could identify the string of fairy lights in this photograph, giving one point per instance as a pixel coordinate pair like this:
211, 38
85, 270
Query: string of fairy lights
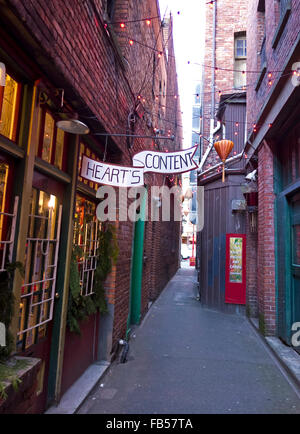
270, 74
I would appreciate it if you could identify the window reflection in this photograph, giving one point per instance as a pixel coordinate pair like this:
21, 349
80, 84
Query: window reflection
48, 138
3, 187
36, 298
9, 109
52, 140
59, 148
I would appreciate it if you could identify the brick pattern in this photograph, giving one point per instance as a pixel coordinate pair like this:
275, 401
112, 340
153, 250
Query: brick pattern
276, 58
266, 242
231, 18
99, 69
251, 272
260, 24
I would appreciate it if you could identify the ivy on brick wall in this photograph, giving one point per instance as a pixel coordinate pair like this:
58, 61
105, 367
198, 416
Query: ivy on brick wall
81, 306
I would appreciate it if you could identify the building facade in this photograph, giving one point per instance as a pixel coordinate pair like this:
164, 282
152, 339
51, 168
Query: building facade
60, 61
222, 116
273, 150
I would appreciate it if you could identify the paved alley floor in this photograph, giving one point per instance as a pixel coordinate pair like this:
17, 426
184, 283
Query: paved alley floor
186, 359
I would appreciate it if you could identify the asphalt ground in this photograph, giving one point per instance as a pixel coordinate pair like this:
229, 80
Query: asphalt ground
185, 359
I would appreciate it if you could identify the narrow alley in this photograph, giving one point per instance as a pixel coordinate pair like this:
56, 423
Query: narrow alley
149, 208
185, 359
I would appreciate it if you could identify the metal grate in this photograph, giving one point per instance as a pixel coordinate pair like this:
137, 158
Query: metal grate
38, 290
6, 245
87, 263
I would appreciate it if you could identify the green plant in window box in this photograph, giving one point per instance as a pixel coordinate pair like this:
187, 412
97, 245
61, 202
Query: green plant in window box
8, 367
7, 304
9, 371
80, 306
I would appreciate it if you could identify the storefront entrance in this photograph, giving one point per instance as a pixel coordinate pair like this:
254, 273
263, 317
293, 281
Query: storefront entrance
38, 292
295, 262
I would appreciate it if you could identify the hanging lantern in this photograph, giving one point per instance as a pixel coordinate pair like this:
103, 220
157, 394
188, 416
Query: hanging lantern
223, 148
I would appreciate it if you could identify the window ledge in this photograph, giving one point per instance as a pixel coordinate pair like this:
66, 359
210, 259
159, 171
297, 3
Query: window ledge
261, 76
281, 25
49, 169
10, 147
86, 189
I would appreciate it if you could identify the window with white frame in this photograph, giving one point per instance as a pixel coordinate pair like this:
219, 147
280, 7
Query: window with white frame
240, 58
86, 243
40, 269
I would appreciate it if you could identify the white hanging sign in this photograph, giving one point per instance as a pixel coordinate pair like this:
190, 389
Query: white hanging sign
145, 161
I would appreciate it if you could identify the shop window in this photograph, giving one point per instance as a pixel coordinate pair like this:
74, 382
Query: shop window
85, 150
86, 235
52, 140
41, 258
3, 188
9, 108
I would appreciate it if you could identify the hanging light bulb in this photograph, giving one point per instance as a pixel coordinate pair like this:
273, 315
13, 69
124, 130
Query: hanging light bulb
122, 25
148, 22
130, 42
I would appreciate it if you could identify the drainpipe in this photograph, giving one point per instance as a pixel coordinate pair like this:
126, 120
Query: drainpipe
213, 73
228, 161
213, 129
209, 148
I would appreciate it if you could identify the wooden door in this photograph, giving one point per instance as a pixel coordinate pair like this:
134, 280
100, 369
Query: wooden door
39, 286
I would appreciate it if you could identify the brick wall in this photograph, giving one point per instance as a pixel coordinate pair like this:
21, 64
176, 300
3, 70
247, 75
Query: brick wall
266, 242
276, 57
230, 18
265, 23
251, 271
106, 77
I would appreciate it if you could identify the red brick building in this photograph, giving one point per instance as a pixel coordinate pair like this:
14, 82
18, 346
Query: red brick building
66, 59
223, 115
273, 149
224, 62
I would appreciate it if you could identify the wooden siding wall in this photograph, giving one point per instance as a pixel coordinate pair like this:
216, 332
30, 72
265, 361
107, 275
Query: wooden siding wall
218, 220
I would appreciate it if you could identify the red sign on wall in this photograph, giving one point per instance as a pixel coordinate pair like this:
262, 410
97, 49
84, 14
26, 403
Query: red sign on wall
235, 285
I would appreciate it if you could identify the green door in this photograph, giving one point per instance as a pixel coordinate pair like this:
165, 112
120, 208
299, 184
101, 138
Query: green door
137, 267
295, 260
288, 264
